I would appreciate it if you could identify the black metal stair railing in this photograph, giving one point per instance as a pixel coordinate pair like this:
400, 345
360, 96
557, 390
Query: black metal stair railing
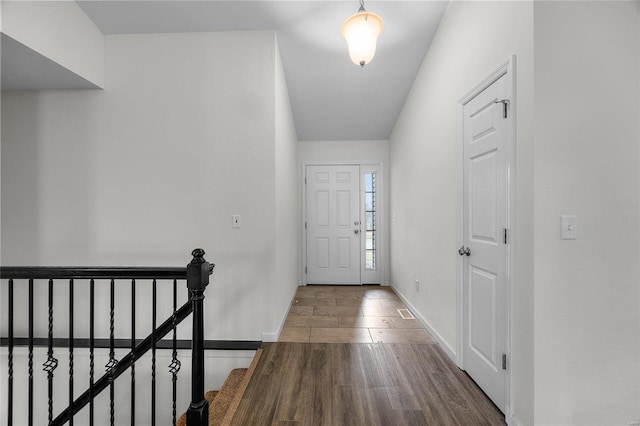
119, 367
196, 274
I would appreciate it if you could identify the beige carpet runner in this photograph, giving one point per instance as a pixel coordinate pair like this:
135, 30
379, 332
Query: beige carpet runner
224, 403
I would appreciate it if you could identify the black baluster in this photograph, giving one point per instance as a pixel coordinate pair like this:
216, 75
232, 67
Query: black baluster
10, 358
30, 352
71, 348
197, 280
51, 362
91, 346
174, 367
112, 358
133, 352
153, 354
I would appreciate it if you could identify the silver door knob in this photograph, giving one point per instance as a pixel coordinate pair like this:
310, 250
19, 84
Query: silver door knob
356, 223
462, 251
357, 231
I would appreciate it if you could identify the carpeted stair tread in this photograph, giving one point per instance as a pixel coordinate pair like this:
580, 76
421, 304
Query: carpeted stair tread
224, 398
224, 403
240, 391
219, 401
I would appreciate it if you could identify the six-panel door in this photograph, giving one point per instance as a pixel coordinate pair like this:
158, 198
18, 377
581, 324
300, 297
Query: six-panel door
333, 224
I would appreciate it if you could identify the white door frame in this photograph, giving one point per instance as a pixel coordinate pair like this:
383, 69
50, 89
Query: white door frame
380, 214
507, 69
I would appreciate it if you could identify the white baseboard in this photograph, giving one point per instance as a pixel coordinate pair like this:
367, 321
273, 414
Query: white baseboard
443, 344
270, 337
274, 336
514, 421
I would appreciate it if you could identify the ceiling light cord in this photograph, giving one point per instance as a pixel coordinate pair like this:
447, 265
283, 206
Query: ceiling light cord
361, 7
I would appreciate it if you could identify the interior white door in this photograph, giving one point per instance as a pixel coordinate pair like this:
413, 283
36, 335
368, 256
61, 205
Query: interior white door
484, 251
333, 224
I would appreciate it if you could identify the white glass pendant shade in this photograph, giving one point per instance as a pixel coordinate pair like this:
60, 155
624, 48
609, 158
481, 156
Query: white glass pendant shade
361, 32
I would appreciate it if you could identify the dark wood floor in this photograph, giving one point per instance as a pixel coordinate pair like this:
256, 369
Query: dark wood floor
361, 384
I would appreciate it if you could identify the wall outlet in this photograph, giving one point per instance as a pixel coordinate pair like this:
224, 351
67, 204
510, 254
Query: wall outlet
235, 221
417, 285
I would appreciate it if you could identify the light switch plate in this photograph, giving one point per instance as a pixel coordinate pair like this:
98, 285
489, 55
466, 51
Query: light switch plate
569, 224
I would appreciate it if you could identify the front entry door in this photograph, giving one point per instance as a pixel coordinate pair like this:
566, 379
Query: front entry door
484, 251
333, 224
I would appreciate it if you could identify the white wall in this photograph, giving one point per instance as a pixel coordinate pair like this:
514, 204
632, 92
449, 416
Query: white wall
0, 134
59, 31
344, 151
584, 294
473, 39
372, 151
191, 129
587, 332
157, 164
287, 264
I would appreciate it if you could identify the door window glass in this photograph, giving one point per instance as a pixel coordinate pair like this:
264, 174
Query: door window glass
370, 220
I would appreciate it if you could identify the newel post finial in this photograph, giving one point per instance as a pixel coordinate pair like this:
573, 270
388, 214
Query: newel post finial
198, 255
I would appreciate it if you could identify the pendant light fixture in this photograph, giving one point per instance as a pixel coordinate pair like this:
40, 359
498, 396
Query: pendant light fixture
361, 32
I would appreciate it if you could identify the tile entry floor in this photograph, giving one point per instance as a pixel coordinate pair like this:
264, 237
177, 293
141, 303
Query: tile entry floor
351, 314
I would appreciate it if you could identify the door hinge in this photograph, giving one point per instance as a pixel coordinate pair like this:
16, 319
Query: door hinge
305, 180
505, 106
305, 269
504, 361
305, 225
505, 235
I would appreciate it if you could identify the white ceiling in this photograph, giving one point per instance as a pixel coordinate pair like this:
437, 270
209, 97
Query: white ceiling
331, 98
